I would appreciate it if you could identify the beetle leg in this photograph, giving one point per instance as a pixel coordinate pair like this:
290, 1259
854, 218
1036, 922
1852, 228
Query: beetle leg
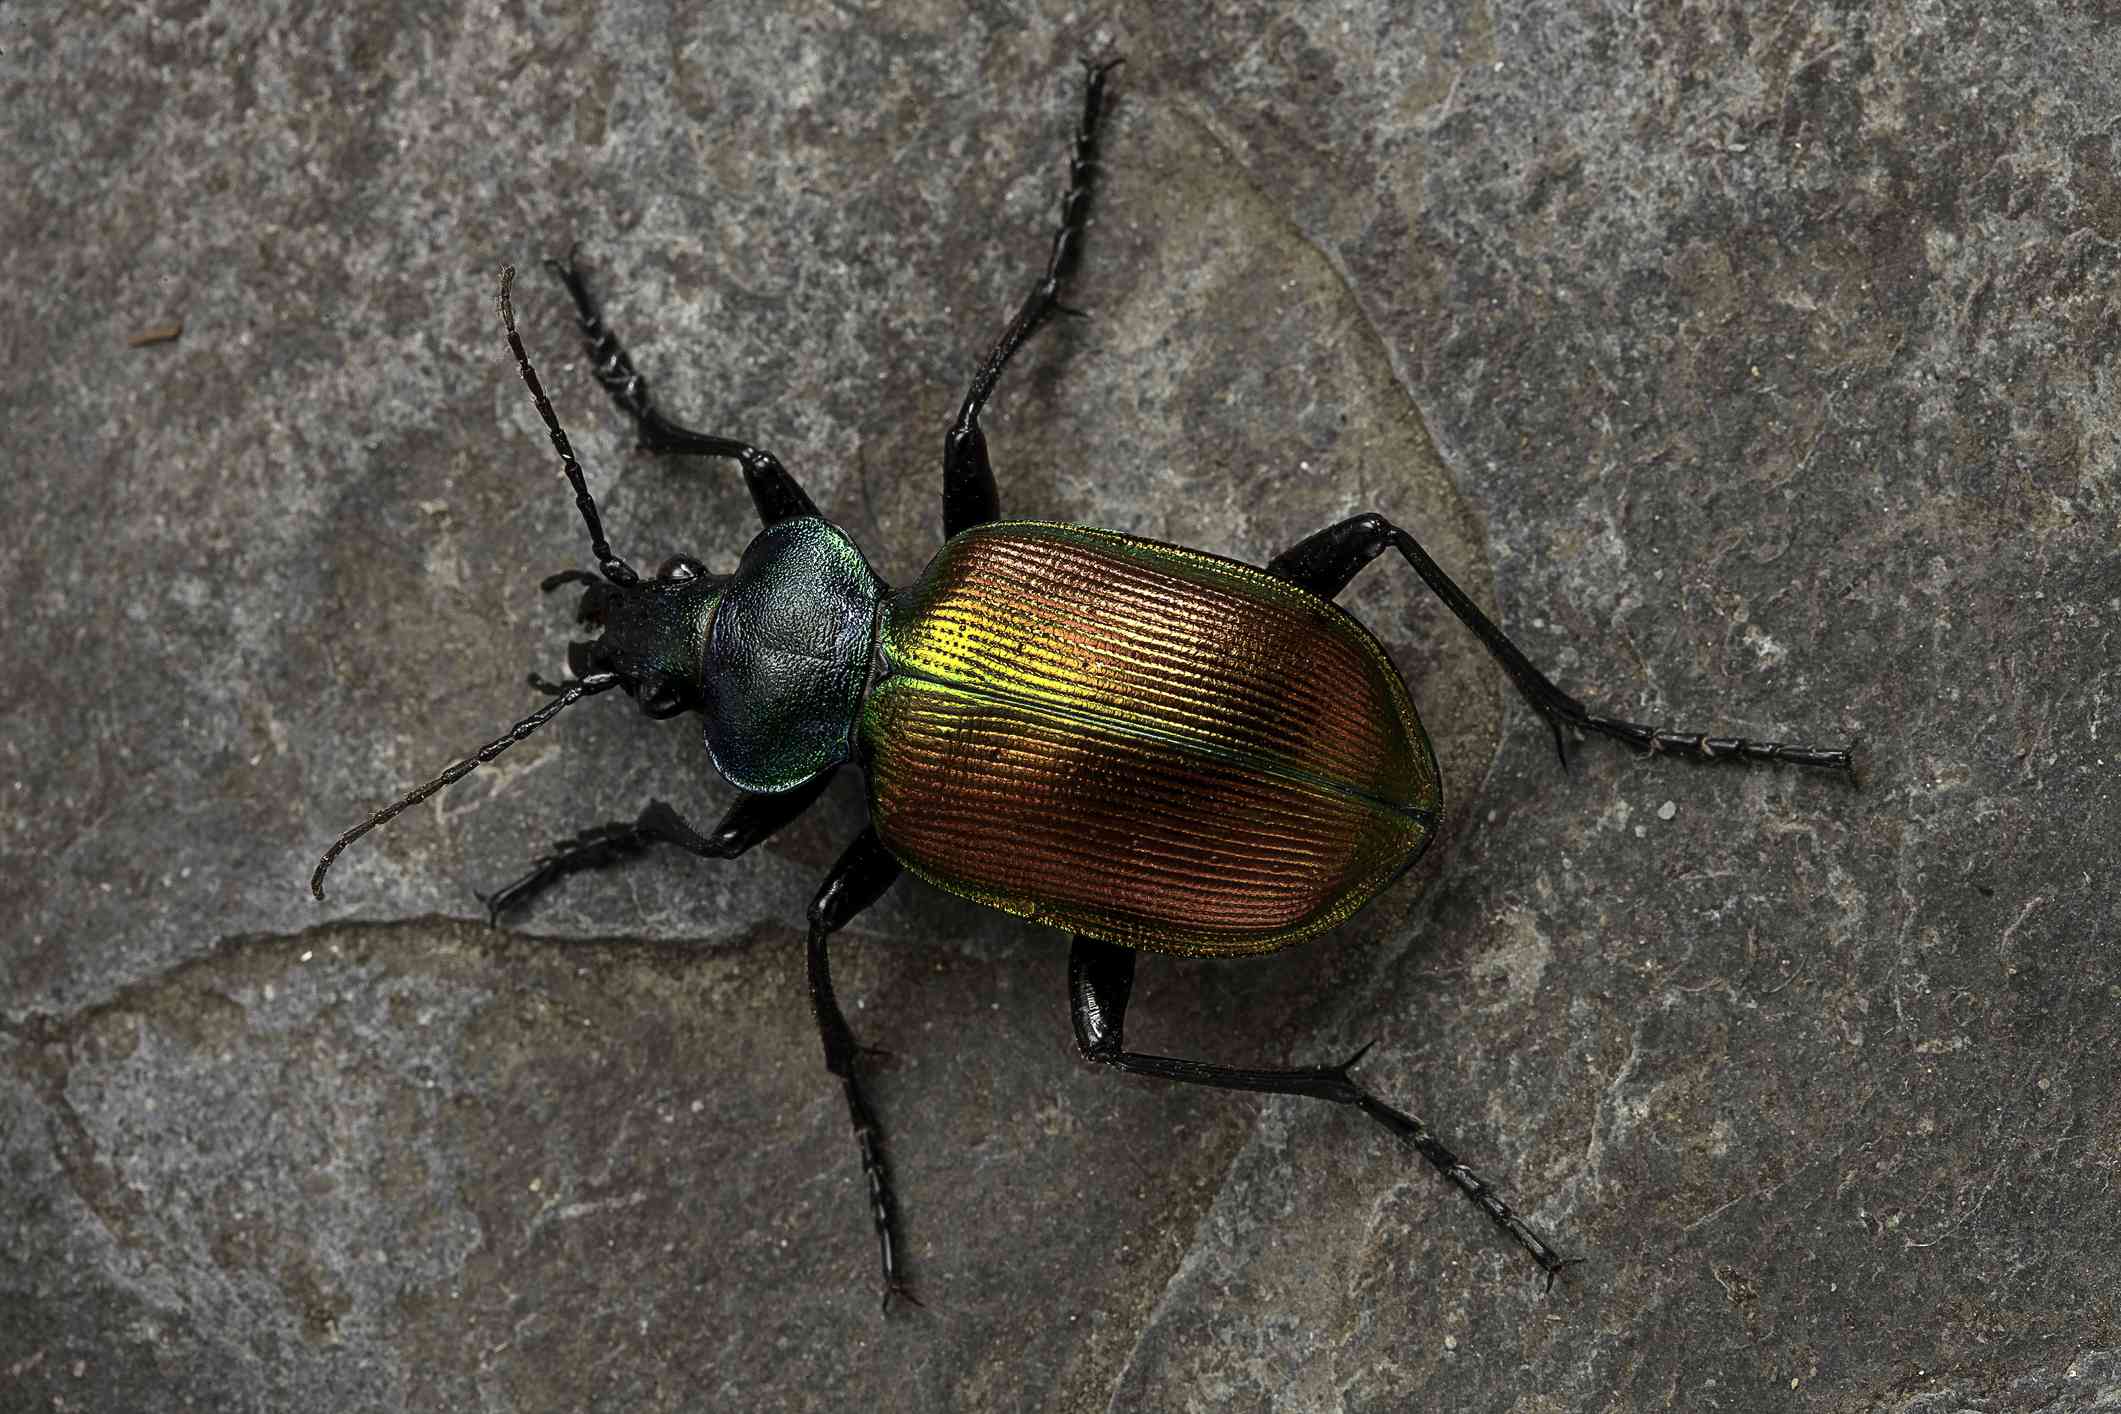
749, 821
776, 493
857, 880
1324, 563
969, 497
1100, 976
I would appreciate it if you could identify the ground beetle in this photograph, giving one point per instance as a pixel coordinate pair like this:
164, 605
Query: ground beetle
1153, 748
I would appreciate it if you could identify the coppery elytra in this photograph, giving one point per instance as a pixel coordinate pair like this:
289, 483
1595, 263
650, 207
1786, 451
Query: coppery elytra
1201, 756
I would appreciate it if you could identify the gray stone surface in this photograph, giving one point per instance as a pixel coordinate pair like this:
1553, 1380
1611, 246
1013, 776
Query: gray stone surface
1757, 362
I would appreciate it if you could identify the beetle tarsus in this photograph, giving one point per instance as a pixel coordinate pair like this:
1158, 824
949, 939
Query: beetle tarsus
969, 497
593, 848
752, 819
776, 494
607, 357
877, 1179
1461, 1176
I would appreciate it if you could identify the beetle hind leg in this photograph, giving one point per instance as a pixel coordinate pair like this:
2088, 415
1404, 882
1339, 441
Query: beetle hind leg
969, 497
1100, 978
1324, 563
777, 494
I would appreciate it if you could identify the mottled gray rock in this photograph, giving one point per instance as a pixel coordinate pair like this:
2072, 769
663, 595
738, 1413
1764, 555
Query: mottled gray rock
1755, 361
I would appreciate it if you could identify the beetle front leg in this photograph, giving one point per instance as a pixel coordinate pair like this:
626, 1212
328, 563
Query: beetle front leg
969, 497
751, 820
1100, 977
776, 493
1324, 563
859, 879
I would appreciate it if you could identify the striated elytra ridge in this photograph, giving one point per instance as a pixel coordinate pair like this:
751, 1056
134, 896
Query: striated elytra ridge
1141, 743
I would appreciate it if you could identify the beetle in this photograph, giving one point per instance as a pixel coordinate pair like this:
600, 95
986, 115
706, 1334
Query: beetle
1152, 748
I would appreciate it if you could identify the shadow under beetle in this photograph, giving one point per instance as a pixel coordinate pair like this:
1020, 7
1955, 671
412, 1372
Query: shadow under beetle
1154, 748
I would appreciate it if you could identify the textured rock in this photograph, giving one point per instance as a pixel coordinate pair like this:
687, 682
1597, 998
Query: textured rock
1755, 362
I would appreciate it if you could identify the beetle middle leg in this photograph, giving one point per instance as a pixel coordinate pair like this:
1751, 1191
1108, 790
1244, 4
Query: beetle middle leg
777, 494
1100, 978
969, 496
1324, 563
859, 879
750, 821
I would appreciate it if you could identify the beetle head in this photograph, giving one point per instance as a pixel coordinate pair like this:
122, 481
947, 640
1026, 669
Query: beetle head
654, 633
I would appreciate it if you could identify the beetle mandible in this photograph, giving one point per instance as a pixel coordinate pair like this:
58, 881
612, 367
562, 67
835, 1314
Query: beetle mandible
1154, 748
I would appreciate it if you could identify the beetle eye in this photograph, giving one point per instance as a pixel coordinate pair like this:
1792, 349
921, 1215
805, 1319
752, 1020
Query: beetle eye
681, 567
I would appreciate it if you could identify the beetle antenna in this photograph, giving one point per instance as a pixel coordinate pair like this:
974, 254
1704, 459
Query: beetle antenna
580, 688
615, 569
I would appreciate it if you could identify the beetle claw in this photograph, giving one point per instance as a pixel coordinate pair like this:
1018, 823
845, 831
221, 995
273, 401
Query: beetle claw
1555, 1271
1859, 761
563, 266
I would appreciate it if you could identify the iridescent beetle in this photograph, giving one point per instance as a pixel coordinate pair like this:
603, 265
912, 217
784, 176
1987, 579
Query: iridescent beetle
1154, 748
